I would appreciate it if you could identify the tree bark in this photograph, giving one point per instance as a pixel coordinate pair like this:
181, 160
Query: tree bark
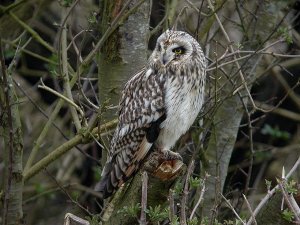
162, 177
227, 118
13, 148
125, 52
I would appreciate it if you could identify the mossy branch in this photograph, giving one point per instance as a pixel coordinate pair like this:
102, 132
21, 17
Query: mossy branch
4, 10
33, 33
13, 147
58, 152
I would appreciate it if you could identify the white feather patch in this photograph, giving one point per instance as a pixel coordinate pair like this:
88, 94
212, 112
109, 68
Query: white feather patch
148, 73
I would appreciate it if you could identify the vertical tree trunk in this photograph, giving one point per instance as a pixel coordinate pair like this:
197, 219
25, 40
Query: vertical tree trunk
125, 51
228, 116
224, 131
227, 119
13, 150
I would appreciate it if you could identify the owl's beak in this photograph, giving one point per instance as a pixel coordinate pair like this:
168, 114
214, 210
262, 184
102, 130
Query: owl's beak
165, 58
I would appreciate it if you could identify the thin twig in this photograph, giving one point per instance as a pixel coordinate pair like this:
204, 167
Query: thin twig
70, 216
288, 199
63, 62
53, 123
117, 21
33, 33
158, 26
185, 193
212, 66
35, 55
62, 149
263, 51
250, 209
171, 205
271, 192
67, 194
69, 101
280, 111
243, 81
143, 220
232, 209
200, 197
177, 18
6, 9
195, 8
251, 148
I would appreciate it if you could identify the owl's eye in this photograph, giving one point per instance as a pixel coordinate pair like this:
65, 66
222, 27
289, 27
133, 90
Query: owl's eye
178, 51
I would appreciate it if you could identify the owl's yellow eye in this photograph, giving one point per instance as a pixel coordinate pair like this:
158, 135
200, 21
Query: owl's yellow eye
178, 51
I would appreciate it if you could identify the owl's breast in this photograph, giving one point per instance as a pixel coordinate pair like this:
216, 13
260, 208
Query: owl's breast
183, 102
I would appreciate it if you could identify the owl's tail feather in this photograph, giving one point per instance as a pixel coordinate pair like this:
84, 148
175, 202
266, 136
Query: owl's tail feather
114, 174
106, 186
120, 168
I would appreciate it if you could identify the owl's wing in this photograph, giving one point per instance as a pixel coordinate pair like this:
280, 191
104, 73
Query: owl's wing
141, 115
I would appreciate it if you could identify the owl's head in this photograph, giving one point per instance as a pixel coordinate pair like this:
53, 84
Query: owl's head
174, 47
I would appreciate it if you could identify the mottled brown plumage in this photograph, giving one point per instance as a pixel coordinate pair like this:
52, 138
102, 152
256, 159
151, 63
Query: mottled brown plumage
158, 105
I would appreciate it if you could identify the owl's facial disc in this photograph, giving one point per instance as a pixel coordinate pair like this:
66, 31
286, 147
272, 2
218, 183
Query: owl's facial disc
174, 48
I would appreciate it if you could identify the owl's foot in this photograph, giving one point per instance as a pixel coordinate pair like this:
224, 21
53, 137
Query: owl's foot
164, 164
168, 164
171, 166
170, 155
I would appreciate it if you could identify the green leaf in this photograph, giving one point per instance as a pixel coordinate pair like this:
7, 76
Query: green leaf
156, 214
75, 194
52, 67
288, 215
178, 188
97, 172
94, 220
131, 211
291, 187
39, 188
195, 182
284, 32
175, 220
275, 132
92, 19
66, 3
205, 221
193, 221
268, 184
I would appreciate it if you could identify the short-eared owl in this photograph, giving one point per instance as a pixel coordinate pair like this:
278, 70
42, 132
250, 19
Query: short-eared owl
158, 105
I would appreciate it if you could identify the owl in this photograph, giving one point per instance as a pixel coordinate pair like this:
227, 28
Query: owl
158, 105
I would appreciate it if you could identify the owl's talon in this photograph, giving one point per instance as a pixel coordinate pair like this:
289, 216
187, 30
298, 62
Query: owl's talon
170, 155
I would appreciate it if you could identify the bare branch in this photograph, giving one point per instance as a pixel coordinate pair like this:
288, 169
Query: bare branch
233, 210
271, 192
200, 197
289, 199
62, 149
69, 101
250, 209
144, 198
185, 193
